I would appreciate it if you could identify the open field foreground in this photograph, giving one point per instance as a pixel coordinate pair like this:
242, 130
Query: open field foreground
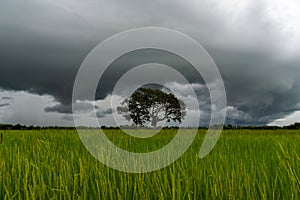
53, 164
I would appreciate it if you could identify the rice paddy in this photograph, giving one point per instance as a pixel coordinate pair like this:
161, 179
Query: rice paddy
245, 164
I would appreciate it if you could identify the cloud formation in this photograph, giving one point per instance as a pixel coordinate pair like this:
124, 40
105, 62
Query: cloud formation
103, 113
7, 98
4, 104
255, 44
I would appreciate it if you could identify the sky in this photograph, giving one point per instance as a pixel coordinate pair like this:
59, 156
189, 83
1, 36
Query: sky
255, 44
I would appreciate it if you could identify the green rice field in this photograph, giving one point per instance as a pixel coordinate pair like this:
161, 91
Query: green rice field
245, 164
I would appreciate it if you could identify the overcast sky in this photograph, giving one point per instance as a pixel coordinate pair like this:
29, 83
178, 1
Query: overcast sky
255, 44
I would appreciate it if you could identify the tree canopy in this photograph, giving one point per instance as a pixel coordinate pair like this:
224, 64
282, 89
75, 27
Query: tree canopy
149, 105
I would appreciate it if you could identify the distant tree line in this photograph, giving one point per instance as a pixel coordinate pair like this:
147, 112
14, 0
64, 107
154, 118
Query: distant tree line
295, 126
23, 127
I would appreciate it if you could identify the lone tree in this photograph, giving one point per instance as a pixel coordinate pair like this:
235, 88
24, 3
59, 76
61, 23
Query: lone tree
149, 105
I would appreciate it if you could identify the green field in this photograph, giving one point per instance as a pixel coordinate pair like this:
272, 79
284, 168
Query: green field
53, 164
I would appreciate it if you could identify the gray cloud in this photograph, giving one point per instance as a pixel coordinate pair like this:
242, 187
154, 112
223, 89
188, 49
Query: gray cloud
79, 107
104, 113
7, 98
68, 118
59, 108
4, 105
43, 44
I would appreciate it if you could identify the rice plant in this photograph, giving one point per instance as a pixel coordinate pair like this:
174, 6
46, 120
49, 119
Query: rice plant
54, 164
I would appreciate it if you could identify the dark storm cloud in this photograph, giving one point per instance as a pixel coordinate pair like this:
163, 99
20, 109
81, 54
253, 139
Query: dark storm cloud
41, 52
68, 117
104, 113
125, 63
79, 107
43, 44
59, 108
7, 98
262, 86
4, 105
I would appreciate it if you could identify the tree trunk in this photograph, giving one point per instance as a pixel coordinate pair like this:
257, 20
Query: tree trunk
154, 122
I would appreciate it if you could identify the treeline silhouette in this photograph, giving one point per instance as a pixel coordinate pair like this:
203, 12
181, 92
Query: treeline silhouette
295, 126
